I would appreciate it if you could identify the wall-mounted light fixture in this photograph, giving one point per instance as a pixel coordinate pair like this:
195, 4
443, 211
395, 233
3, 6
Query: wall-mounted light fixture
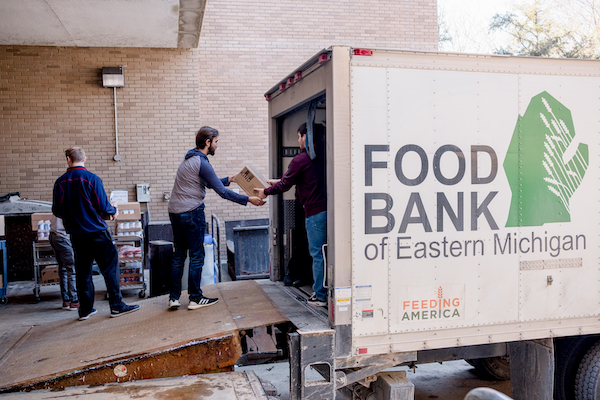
113, 77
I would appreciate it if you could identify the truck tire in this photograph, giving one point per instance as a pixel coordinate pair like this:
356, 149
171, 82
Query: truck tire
568, 353
494, 368
587, 380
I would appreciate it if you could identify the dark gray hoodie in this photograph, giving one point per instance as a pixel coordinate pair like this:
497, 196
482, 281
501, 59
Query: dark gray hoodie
194, 175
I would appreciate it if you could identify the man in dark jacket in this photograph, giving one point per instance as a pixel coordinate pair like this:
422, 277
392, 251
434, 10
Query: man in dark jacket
309, 177
80, 200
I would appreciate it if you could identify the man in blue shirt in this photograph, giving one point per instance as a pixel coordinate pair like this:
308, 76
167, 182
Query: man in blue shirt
80, 200
186, 212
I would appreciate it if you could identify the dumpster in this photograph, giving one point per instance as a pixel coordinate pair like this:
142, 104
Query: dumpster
248, 248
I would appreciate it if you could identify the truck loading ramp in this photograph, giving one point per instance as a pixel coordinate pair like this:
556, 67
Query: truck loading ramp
150, 343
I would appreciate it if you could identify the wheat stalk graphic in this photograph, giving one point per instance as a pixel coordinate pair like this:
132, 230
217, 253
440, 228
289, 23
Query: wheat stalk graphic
440, 296
541, 178
562, 179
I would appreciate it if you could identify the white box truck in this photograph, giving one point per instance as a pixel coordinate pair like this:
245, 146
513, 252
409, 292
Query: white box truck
463, 216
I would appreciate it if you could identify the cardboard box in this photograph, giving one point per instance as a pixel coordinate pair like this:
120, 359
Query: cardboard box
36, 217
50, 274
128, 228
249, 178
128, 211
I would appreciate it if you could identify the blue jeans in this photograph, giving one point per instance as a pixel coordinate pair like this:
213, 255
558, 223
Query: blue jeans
188, 235
100, 247
316, 231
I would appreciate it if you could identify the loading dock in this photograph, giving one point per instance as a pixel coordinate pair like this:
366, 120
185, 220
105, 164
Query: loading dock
151, 343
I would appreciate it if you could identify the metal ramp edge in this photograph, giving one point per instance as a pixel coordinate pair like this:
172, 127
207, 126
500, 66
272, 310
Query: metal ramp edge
306, 318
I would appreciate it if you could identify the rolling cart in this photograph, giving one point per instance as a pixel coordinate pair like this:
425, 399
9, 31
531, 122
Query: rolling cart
3, 276
131, 265
45, 267
129, 239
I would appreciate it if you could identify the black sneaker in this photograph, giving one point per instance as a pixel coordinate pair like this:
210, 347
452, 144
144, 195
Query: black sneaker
84, 317
123, 309
316, 302
201, 302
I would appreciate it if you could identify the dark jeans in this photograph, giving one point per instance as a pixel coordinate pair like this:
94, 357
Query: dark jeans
100, 247
66, 266
188, 234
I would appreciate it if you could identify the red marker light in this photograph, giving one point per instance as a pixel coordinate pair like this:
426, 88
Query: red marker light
363, 52
298, 76
290, 81
267, 97
323, 58
282, 87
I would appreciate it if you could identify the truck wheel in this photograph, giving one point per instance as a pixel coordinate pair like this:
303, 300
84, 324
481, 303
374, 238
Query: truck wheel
568, 353
494, 368
587, 381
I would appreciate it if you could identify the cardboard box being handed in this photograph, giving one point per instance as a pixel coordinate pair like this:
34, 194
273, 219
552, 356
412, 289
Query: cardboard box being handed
249, 178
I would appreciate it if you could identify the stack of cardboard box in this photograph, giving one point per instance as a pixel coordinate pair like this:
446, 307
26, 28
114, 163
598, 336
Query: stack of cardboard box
49, 272
129, 234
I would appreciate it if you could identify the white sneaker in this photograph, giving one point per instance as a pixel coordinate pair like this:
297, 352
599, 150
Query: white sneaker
202, 302
316, 302
174, 304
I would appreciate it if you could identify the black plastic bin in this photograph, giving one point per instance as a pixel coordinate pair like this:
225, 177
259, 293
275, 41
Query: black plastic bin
248, 248
3, 275
160, 253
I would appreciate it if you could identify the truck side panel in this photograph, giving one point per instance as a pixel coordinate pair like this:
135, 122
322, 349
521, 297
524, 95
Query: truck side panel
474, 200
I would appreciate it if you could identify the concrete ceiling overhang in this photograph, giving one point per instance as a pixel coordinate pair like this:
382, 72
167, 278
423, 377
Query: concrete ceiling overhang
102, 23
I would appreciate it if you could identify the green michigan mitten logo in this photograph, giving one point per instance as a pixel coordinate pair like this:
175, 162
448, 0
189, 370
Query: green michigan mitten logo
542, 181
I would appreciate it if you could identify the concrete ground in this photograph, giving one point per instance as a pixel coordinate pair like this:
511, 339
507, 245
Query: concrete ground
449, 381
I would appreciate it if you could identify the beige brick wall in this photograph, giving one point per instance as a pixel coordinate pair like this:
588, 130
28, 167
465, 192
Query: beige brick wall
51, 98
246, 47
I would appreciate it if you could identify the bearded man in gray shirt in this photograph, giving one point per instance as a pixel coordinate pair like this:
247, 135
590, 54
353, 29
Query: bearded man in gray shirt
186, 212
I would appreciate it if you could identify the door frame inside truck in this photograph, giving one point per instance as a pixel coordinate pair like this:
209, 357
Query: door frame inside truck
294, 267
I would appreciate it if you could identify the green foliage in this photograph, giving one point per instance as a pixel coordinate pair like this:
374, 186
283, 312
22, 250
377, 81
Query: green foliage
565, 29
444, 35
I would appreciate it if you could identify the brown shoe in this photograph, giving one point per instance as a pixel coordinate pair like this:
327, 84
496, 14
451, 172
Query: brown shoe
74, 306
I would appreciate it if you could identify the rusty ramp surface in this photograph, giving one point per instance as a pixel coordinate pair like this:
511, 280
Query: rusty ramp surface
150, 343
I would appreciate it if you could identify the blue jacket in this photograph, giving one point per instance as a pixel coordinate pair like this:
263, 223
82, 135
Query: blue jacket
80, 200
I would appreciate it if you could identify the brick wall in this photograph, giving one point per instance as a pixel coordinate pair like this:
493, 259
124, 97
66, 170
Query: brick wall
52, 98
246, 47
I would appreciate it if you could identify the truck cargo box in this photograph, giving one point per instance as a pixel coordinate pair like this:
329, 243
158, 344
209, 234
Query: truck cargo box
461, 190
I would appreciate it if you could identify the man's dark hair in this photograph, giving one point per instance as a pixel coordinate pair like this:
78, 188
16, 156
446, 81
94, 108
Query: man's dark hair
205, 133
302, 129
76, 154
318, 135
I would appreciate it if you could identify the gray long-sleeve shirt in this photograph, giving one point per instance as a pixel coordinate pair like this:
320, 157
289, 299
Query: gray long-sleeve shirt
194, 175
